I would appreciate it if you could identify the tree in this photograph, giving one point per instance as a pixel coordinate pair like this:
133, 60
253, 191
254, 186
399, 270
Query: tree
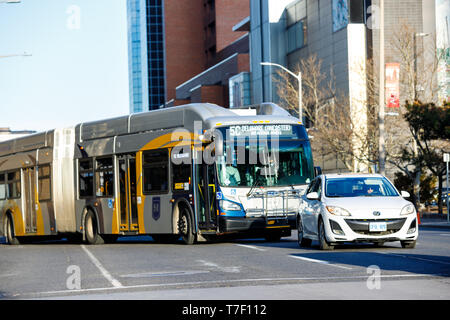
427, 186
430, 127
336, 131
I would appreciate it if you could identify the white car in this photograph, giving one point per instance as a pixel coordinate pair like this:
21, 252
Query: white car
339, 208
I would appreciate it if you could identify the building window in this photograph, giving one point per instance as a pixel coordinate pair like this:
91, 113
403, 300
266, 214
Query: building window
239, 89
296, 25
156, 171
44, 188
296, 35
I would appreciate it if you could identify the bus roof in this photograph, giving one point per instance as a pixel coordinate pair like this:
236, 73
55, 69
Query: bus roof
184, 116
210, 116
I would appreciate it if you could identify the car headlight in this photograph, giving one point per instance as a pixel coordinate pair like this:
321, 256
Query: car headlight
229, 205
408, 209
338, 211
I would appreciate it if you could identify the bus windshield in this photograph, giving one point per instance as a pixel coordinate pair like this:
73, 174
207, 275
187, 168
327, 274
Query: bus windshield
250, 164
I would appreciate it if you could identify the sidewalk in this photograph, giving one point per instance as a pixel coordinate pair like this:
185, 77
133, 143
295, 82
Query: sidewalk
434, 220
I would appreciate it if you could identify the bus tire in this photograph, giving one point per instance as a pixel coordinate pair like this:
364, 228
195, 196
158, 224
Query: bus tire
91, 233
9, 231
273, 236
185, 226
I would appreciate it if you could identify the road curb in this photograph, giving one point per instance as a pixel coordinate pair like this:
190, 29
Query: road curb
437, 225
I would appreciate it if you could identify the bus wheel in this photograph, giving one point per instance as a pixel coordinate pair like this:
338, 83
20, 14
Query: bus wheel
274, 236
185, 226
91, 229
9, 230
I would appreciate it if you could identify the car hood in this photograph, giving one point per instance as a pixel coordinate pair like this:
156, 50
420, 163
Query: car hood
363, 207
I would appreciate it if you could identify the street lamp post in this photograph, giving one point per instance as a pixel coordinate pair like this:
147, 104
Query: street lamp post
299, 79
416, 35
381, 101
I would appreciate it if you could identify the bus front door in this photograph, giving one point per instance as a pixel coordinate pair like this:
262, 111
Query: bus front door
127, 193
29, 176
206, 196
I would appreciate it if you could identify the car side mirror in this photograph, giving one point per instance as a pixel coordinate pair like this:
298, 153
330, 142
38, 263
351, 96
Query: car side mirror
405, 194
313, 196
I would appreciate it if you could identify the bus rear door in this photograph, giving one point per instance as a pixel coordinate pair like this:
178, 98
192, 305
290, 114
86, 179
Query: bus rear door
29, 179
127, 193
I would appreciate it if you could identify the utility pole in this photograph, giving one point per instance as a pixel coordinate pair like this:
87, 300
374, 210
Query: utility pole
381, 141
447, 190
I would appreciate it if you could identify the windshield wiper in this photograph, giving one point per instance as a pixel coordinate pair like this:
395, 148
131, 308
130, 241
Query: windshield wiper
254, 185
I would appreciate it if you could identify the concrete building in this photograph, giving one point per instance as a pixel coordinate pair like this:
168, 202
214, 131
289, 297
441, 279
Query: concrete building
343, 34
226, 30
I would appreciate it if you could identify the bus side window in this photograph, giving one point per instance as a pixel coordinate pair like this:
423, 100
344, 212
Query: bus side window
156, 171
181, 173
104, 177
13, 184
2, 186
86, 178
44, 183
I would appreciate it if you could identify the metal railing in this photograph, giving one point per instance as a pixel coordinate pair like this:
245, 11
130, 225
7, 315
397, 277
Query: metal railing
275, 204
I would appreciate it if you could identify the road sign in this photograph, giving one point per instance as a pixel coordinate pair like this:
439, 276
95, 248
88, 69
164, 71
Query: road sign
446, 157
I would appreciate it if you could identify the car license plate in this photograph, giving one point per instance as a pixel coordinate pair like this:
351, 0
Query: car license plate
377, 226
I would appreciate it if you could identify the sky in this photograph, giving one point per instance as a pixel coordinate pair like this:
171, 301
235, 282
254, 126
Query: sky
78, 68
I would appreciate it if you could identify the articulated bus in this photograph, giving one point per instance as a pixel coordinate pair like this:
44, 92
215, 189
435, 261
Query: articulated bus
190, 172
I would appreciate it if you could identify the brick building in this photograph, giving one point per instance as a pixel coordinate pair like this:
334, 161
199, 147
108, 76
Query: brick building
184, 51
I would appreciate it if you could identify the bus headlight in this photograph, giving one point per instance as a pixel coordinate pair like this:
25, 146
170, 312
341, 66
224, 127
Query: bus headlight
229, 205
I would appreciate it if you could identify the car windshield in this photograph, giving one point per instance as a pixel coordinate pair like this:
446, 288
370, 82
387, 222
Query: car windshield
359, 187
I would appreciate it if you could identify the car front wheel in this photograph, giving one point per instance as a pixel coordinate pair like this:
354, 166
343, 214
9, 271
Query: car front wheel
408, 244
323, 243
302, 241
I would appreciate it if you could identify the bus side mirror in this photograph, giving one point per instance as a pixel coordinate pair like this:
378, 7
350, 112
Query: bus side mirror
317, 171
218, 143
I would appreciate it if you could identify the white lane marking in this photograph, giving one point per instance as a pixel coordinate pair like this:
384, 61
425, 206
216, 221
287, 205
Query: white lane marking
9, 275
415, 258
250, 247
222, 282
319, 261
100, 267
220, 268
163, 274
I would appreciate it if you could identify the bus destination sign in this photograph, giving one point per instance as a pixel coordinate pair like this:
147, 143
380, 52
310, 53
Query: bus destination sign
263, 129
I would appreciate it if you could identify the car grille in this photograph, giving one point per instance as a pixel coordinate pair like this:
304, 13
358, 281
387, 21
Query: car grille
361, 226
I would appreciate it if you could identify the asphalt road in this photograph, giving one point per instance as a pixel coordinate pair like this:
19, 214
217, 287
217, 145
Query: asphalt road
251, 269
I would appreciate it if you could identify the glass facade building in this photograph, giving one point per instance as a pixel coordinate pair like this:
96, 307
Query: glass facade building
146, 54
155, 49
